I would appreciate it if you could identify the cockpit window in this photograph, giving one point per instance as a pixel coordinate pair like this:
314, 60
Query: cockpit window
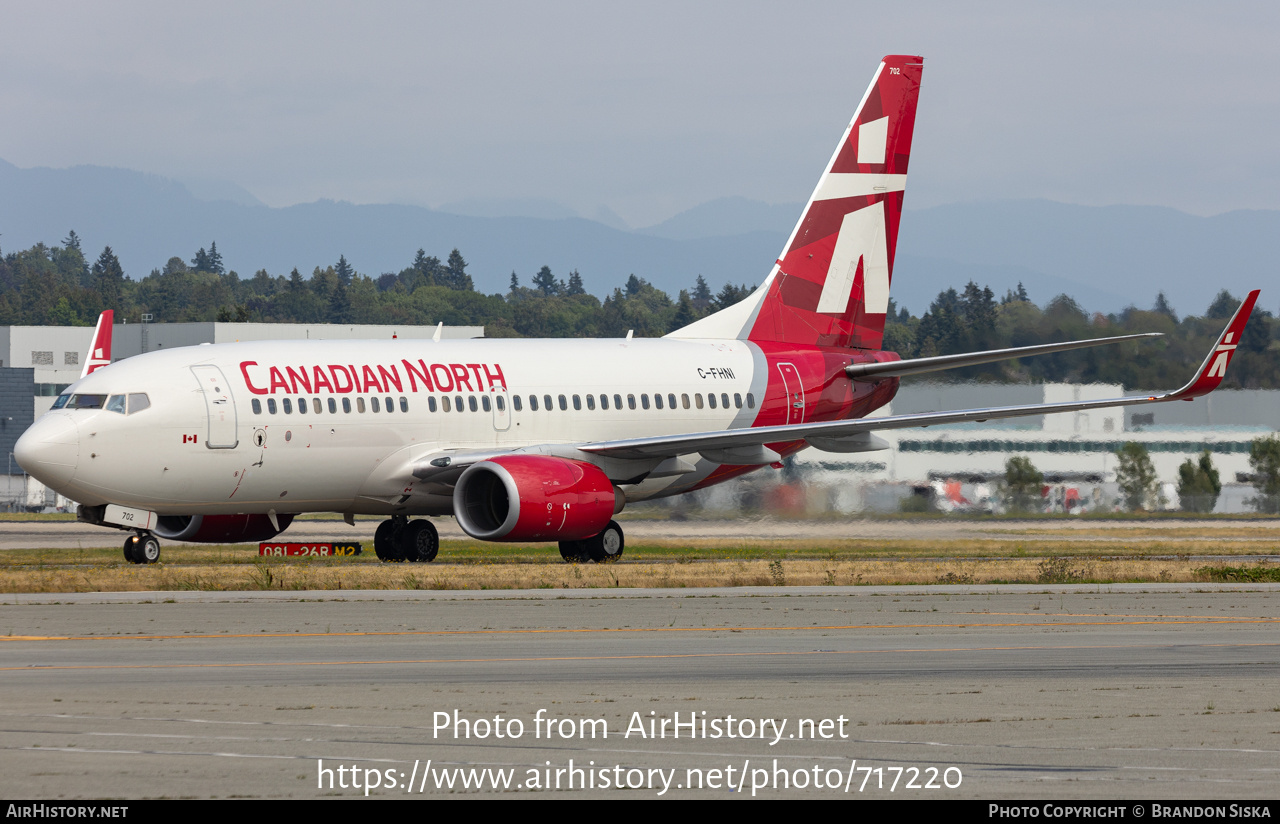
116, 404
61, 401
138, 402
87, 401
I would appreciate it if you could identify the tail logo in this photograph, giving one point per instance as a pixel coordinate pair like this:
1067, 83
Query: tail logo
860, 245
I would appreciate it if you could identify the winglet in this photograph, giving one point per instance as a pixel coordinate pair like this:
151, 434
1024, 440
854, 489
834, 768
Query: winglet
1214, 368
100, 349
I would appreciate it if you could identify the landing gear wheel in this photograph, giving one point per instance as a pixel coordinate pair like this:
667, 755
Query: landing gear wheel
381, 540
420, 541
574, 552
130, 544
388, 540
147, 549
606, 547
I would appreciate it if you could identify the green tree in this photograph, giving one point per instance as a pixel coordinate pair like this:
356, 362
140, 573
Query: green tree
455, 271
1136, 476
1198, 484
108, 278
1022, 484
546, 283
575, 286
344, 271
1264, 459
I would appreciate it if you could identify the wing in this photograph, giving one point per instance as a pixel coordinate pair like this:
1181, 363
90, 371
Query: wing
749, 446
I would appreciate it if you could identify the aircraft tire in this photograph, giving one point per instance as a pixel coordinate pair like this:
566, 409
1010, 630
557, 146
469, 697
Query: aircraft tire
606, 547
147, 550
128, 549
381, 537
421, 541
574, 552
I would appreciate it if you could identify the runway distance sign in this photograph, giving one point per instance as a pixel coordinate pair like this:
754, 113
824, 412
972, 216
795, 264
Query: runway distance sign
318, 550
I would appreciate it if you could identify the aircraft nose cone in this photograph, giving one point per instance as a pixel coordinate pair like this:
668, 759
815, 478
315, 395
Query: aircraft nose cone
49, 449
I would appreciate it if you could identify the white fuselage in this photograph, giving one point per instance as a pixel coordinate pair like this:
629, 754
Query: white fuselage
223, 432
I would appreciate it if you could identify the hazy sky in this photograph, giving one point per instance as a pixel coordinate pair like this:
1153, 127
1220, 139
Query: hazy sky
648, 108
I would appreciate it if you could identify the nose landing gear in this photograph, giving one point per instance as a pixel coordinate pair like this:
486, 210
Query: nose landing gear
142, 548
398, 539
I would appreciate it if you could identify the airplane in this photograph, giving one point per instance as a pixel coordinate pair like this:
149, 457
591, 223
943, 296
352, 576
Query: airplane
531, 440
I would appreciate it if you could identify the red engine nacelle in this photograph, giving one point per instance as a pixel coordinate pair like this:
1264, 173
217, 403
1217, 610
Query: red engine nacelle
220, 529
533, 498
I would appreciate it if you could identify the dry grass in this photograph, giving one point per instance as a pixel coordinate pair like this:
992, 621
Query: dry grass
278, 575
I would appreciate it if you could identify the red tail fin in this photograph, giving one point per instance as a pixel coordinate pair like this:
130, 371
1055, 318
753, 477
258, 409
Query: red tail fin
831, 285
100, 349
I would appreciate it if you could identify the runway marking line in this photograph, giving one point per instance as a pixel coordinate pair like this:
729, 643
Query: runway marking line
567, 631
637, 656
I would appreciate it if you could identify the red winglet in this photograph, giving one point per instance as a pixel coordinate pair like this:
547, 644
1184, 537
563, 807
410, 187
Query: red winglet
100, 349
1214, 368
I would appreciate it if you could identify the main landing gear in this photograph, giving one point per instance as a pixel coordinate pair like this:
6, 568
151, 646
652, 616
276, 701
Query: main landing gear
142, 548
604, 548
398, 539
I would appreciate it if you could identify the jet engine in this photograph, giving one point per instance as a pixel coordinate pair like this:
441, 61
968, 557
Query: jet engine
534, 498
220, 529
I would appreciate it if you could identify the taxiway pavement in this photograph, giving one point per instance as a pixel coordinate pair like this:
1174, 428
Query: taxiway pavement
1121, 691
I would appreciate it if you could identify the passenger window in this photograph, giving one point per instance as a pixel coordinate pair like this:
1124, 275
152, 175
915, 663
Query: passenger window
360, 405
751, 401
671, 400
302, 406
685, 400
444, 399
390, 404
533, 403
315, 405
333, 406
471, 402
457, 403
139, 402
271, 405
288, 406
724, 399
697, 399
432, 406
711, 400
546, 402
501, 402
346, 405
657, 400
591, 402
484, 402
604, 401
617, 402
631, 401
116, 404
644, 401
564, 404
577, 403
515, 400
404, 404
376, 407
257, 406
737, 399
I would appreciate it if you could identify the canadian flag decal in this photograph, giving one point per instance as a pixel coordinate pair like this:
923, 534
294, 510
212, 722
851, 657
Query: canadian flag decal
189, 438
